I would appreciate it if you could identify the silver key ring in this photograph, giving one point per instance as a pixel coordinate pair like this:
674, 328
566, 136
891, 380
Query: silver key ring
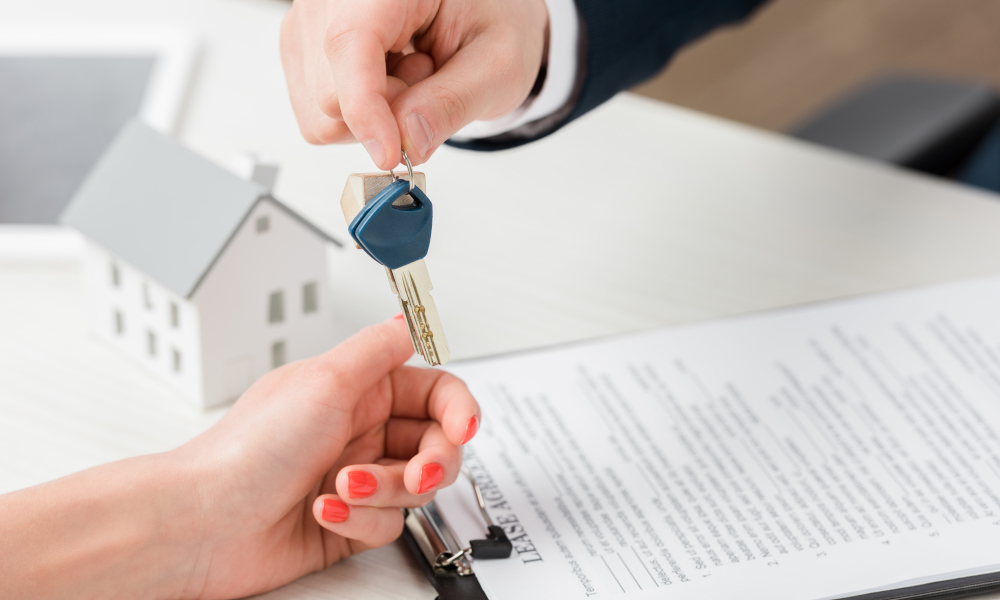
409, 169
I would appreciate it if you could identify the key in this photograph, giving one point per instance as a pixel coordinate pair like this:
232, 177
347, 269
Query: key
412, 285
394, 228
390, 219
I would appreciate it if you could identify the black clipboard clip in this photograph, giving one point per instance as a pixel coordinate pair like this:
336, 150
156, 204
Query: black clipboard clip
444, 561
440, 546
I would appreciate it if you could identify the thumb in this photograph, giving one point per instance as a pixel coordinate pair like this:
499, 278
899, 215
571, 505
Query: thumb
366, 357
286, 431
483, 80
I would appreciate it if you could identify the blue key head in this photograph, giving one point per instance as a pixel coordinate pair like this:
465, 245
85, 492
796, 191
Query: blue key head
395, 235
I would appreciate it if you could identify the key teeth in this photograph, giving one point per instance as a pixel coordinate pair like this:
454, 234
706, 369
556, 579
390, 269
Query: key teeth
425, 334
410, 328
433, 350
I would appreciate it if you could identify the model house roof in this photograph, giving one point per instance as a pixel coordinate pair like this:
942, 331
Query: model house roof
163, 208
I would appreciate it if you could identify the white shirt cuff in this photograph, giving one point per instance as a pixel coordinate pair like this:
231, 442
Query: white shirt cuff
560, 77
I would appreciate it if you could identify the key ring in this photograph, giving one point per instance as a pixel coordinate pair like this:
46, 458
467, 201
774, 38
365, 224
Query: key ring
409, 169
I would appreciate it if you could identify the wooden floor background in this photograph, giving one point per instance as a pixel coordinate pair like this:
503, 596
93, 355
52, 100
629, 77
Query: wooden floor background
794, 56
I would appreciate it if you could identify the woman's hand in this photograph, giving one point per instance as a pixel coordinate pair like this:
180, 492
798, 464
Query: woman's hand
409, 73
310, 466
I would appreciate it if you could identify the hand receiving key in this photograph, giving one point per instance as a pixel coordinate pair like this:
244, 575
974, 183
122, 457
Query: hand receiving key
390, 219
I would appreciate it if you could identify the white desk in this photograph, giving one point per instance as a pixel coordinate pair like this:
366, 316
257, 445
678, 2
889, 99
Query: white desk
637, 216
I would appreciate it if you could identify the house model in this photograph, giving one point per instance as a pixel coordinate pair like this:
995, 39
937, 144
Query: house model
195, 272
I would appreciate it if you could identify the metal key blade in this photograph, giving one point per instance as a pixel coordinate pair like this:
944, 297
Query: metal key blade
412, 284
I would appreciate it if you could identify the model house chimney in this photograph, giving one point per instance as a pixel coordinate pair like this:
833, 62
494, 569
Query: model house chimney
256, 167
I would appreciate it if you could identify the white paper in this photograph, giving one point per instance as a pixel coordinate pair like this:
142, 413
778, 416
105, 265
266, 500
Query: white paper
816, 452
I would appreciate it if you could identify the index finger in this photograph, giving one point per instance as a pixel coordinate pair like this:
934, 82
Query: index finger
356, 53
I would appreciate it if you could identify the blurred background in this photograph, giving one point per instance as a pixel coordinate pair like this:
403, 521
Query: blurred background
795, 57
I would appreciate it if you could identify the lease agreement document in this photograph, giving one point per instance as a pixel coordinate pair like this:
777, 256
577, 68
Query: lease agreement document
816, 452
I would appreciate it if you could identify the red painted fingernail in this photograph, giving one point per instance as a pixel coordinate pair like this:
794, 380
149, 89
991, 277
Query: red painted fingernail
399, 317
361, 484
335, 511
470, 430
430, 476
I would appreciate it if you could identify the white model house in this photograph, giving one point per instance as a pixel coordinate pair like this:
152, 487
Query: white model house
198, 274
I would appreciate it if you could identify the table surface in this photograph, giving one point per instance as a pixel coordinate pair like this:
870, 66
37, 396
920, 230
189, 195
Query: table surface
639, 215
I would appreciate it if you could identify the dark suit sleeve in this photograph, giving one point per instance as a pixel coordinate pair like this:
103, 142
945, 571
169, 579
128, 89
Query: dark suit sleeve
627, 42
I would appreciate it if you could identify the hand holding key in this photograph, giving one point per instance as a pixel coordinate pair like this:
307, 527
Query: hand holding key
407, 73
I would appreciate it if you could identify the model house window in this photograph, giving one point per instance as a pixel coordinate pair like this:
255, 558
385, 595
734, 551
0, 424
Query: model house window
175, 315
119, 322
276, 307
147, 299
151, 343
116, 275
277, 354
310, 303
177, 360
263, 224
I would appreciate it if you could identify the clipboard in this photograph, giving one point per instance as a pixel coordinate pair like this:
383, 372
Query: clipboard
443, 560
449, 567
